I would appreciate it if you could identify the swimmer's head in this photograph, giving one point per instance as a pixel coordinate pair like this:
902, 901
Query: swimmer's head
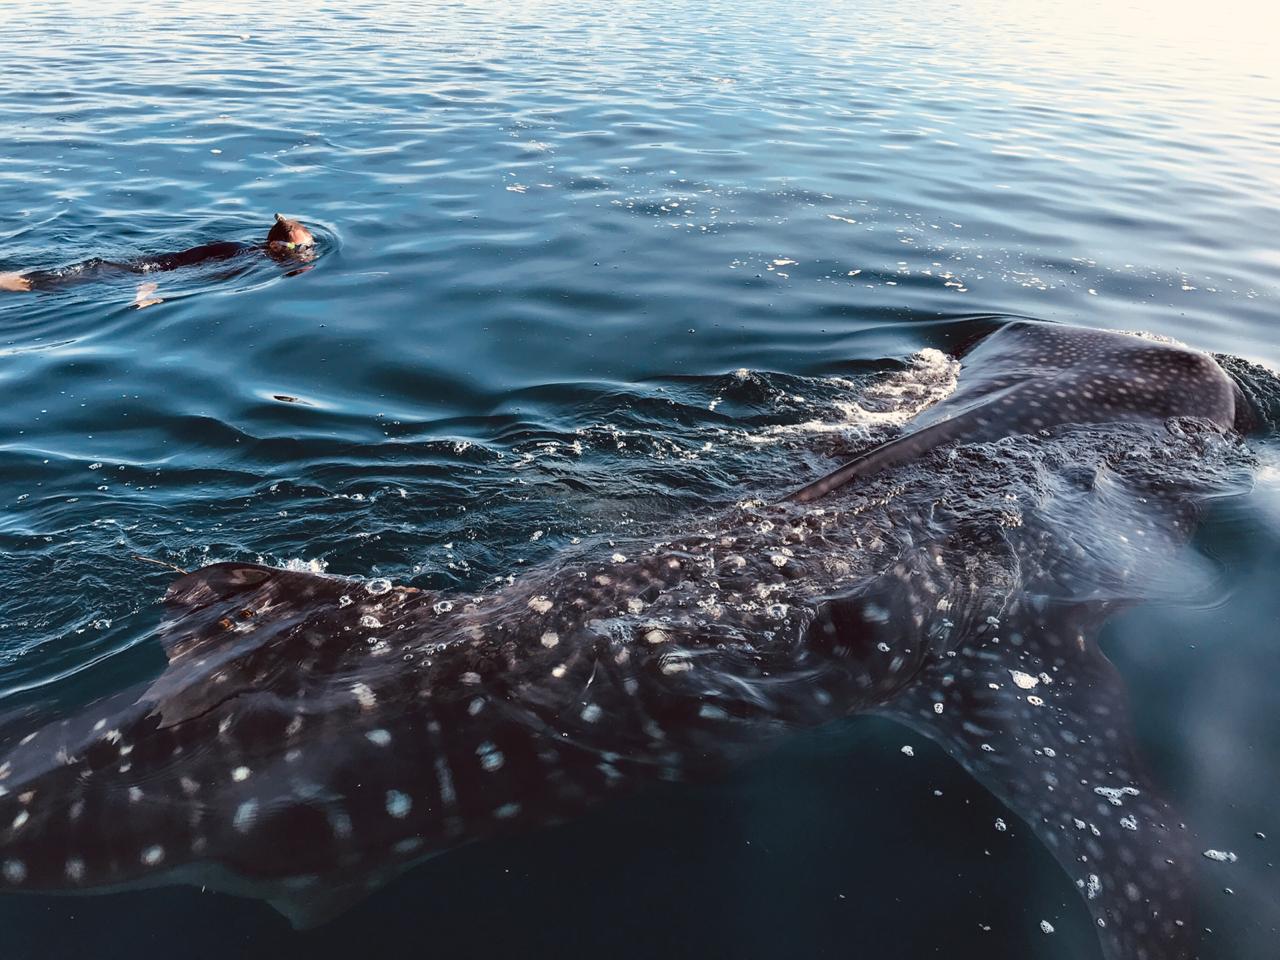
289, 235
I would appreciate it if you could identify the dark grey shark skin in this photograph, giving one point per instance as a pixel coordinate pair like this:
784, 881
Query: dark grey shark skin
314, 736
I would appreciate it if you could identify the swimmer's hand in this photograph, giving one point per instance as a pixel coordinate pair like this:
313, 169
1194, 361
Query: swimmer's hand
14, 283
144, 298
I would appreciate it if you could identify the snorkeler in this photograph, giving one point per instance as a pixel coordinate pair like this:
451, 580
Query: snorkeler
287, 240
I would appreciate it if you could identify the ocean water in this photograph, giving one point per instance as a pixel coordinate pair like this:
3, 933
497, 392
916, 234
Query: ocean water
584, 268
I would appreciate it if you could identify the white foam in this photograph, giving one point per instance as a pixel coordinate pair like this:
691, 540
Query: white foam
930, 377
296, 565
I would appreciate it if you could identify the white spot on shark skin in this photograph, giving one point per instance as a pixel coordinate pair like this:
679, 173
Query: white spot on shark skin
676, 665
1221, 856
1115, 795
591, 713
1001, 826
1129, 823
75, 869
1024, 680
447, 794
908, 750
189, 786
340, 823
364, 696
240, 774
15, 871
1046, 926
135, 794
539, 604
491, 758
618, 558
153, 856
549, 639
398, 804
379, 737
408, 845
246, 813
377, 587
20, 820
370, 621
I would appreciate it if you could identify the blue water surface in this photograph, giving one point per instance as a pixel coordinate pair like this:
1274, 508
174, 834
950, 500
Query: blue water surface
575, 259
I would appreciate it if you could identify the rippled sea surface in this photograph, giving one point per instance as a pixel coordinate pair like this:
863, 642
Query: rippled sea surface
582, 266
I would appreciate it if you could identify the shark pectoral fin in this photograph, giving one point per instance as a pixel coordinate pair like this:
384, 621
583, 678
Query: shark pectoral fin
1036, 713
230, 629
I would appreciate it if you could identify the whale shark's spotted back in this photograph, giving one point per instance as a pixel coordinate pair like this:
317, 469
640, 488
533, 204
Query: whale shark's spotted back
313, 736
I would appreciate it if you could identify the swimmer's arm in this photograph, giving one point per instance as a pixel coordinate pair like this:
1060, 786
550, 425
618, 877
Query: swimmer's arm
14, 283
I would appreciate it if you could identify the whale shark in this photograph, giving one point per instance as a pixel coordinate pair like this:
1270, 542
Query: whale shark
312, 736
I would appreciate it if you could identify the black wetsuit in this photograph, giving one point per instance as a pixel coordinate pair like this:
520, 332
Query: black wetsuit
97, 268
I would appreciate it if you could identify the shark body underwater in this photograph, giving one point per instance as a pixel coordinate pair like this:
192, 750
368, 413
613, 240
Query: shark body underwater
314, 736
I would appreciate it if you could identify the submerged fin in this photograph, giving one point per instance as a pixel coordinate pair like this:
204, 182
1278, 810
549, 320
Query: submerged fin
1036, 713
306, 910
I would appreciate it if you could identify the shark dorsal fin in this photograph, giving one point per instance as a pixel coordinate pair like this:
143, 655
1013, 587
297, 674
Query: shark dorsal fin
211, 590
